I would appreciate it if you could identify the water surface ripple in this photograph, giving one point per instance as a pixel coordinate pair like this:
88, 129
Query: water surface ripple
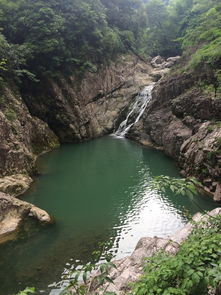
97, 191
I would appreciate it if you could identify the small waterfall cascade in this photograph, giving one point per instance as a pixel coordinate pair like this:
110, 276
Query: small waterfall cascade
136, 111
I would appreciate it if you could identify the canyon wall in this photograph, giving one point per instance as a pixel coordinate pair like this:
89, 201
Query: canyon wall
37, 117
184, 121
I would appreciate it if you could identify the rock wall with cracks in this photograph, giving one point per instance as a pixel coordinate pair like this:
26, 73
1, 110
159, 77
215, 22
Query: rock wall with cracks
91, 107
185, 122
40, 116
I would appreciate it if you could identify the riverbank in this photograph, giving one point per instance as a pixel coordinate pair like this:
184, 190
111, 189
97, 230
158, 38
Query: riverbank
183, 120
98, 191
129, 269
38, 117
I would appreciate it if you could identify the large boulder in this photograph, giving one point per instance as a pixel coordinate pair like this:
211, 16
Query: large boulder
13, 212
22, 137
161, 63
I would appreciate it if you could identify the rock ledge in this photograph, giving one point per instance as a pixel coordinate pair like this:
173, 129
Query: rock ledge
13, 211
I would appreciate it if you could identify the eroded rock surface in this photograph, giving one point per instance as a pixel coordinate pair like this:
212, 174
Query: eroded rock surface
184, 122
161, 63
15, 185
22, 136
13, 212
35, 119
77, 110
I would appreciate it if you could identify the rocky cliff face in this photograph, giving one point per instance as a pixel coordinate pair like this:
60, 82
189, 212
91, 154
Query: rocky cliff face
41, 115
22, 137
185, 123
87, 108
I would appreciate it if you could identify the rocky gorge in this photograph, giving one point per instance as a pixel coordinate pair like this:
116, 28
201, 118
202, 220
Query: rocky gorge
179, 119
184, 122
39, 116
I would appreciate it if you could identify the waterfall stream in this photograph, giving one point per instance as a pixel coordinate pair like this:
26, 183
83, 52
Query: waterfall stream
136, 112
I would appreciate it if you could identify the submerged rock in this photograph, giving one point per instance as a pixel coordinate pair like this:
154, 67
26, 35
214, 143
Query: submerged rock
13, 212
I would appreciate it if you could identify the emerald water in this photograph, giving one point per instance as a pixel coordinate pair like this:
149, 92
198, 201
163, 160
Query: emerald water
97, 191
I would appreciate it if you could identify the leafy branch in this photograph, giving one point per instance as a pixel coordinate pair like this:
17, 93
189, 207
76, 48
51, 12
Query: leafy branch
179, 186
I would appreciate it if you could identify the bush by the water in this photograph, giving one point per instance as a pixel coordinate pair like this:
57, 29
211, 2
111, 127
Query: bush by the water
192, 271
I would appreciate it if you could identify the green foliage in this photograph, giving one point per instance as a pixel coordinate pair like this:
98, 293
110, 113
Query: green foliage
195, 267
162, 31
214, 125
80, 280
201, 40
47, 37
13, 59
218, 143
211, 158
179, 186
27, 291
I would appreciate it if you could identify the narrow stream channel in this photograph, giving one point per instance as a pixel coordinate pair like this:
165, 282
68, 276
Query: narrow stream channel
98, 192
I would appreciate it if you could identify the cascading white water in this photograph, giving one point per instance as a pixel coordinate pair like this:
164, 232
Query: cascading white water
137, 110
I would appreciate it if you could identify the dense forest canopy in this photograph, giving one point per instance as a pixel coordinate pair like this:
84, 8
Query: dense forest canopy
48, 37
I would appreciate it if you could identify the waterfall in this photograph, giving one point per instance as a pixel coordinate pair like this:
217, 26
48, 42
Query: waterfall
137, 110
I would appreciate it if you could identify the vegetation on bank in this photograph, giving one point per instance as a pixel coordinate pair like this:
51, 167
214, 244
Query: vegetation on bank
48, 38
194, 270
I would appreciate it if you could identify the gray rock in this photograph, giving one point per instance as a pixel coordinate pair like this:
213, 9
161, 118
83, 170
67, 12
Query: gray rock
22, 137
159, 62
177, 120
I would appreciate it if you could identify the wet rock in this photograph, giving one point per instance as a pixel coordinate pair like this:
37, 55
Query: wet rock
180, 119
13, 212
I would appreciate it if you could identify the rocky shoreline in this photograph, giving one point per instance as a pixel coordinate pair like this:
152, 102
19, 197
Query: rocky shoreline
13, 212
130, 268
40, 116
178, 119
184, 122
